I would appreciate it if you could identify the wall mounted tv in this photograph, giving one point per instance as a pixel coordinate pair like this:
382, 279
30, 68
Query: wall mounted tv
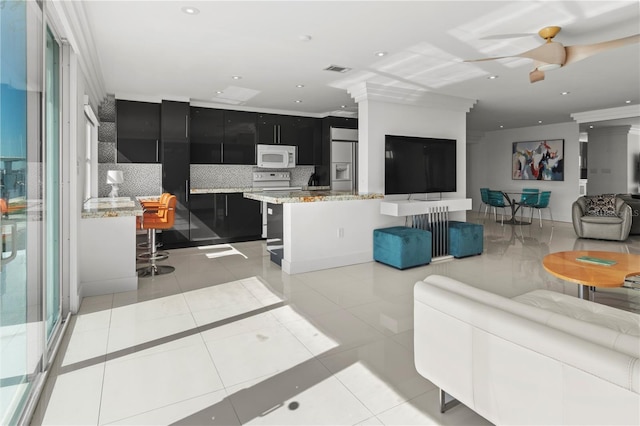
415, 165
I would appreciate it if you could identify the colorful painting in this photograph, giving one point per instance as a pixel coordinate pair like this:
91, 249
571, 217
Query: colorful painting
538, 160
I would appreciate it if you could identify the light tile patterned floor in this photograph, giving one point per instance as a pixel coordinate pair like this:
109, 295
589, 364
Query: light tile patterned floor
229, 339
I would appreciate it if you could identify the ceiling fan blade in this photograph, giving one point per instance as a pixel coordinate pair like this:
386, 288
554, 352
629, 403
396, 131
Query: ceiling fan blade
487, 59
578, 53
536, 75
551, 52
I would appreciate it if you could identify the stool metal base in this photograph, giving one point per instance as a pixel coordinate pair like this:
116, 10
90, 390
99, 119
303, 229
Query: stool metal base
149, 257
153, 270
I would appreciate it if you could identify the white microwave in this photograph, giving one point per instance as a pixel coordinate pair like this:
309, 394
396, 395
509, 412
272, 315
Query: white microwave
275, 156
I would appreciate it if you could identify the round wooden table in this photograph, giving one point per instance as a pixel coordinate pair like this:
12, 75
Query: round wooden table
565, 265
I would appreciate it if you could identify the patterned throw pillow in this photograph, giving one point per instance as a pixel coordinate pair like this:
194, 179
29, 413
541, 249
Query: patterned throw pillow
601, 205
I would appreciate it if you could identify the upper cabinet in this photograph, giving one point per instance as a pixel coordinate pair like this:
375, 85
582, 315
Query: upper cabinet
222, 136
175, 121
137, 132
215, 136
303, 132
240, 137
207, 135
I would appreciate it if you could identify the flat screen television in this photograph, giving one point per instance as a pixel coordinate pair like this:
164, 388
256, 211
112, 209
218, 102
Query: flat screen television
415, 165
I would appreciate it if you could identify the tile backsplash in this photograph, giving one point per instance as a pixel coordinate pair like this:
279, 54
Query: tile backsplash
146, 179
229, 176
139, 179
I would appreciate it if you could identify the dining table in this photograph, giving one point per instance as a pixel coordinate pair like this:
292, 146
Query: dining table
510, 197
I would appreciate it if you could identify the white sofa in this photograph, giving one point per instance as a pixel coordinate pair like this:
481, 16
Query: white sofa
541, 358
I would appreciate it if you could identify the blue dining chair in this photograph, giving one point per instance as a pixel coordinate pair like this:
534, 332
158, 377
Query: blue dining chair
484, 197
496, 200
542, 203
528, 197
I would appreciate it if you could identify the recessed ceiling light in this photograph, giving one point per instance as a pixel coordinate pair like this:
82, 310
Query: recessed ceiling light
343, 106
298, 101
299, 86
591, 127
627, 102
565, 93
501, 126
236, 77
190, 10
219, 92
539, 121
304, 37
492, 77
381, 53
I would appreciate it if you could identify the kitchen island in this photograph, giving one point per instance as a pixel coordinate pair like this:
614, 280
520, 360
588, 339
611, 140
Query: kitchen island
107, 246
325, 229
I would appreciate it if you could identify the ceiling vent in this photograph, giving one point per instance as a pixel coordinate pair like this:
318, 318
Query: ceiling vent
337, 68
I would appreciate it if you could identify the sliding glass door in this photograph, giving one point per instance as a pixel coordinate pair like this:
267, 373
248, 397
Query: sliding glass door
30, 308
51, 154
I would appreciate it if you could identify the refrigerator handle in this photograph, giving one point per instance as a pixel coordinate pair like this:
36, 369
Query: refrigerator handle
354, 165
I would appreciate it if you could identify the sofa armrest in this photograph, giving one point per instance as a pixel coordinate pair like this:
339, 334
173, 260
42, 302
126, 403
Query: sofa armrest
576, 213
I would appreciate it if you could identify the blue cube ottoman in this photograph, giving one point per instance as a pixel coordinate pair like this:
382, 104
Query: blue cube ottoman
402, 247
465, 239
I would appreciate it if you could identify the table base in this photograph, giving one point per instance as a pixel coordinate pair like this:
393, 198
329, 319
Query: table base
513, 222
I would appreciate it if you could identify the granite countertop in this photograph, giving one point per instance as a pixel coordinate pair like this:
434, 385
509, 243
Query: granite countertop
249, 189
281, 197
111, 207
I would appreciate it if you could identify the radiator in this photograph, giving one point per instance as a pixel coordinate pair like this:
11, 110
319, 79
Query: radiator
435, 220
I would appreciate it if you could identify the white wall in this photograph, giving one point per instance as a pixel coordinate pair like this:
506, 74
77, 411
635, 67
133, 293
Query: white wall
377, 119
489, 165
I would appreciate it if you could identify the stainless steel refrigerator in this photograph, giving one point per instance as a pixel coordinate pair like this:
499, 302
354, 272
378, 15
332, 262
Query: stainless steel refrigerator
344, 159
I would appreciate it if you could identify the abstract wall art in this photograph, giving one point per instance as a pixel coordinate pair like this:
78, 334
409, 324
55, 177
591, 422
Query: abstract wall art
538, 160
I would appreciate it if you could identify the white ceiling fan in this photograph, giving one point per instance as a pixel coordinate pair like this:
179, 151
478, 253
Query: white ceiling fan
553, 55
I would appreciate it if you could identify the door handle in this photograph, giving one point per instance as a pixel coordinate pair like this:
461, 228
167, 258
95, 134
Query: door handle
186, 188
14, 251
226, 205
186, 126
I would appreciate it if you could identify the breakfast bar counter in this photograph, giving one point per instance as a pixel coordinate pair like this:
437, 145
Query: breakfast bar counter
107, 246
282, 197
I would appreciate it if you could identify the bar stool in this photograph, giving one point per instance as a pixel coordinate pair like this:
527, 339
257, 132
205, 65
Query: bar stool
161, 217
150, 209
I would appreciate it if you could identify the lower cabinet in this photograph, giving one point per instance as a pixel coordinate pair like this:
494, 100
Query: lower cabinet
226, 217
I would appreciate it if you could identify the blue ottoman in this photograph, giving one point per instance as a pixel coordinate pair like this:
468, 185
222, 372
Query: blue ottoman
465, 239
402, 247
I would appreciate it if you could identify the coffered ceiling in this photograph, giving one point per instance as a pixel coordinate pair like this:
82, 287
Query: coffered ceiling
153, 49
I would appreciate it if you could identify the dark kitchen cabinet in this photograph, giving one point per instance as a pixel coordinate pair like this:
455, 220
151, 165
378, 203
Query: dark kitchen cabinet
240, 136
309, 141
244, 217
207, 135
175, 180
205, 224
176, 168
137, 132
227, 217
174, 119
303, 132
